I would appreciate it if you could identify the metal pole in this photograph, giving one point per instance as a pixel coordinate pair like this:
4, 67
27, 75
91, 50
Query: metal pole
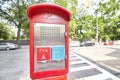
97, 34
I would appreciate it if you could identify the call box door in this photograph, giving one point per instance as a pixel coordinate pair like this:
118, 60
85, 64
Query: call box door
49, 45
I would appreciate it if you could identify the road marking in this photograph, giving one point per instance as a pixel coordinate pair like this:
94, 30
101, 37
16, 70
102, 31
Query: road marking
98, 77
80, 68
105, 75
77, 62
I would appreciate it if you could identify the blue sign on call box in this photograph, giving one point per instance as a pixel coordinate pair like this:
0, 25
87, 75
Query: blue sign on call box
58, 52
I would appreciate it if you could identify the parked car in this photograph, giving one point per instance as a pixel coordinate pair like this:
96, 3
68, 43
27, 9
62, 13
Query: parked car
7, 46
87, 43
109, 43
82, 44
74, 44
117, 42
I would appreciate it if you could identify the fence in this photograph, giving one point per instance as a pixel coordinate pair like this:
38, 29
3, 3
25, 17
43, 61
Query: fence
22, 42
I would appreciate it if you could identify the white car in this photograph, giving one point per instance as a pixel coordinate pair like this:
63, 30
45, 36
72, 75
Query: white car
7, 46
74, 44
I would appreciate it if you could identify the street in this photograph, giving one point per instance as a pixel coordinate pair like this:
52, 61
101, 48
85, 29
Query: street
107, 57
84, 63
14, 64
83, 69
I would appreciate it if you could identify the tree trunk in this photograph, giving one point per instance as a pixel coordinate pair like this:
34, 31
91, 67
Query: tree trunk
18, 36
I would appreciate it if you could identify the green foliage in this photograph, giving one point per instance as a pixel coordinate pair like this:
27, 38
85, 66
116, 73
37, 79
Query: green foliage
108, 19
5, 32
82, 25
61, 2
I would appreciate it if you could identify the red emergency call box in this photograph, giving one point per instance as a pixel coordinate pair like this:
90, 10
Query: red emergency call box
49, 25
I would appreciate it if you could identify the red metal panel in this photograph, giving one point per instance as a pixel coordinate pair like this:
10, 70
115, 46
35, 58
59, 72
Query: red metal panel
39, 8
45, 74
31, 48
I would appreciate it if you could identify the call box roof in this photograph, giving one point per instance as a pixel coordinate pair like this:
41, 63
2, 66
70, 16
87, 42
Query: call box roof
48, 8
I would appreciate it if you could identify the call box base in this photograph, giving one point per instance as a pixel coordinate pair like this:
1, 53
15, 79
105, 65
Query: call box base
63, 77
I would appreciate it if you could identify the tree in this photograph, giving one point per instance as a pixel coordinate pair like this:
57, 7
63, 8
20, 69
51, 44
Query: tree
109, 11
103, 22
14, 11
83, 24
6, 32
81, 27
71, 5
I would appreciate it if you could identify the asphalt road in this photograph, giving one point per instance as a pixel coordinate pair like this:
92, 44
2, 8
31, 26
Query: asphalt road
81, 68
14, 64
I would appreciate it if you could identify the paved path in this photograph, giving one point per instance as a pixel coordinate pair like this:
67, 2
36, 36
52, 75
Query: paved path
82, 69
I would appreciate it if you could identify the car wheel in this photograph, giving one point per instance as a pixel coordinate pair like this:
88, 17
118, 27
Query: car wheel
7, 48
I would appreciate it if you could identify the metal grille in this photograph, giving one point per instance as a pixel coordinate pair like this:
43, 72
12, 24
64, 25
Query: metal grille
49, 35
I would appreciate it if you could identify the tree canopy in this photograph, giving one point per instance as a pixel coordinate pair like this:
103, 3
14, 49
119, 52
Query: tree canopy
83, 26
6, 32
